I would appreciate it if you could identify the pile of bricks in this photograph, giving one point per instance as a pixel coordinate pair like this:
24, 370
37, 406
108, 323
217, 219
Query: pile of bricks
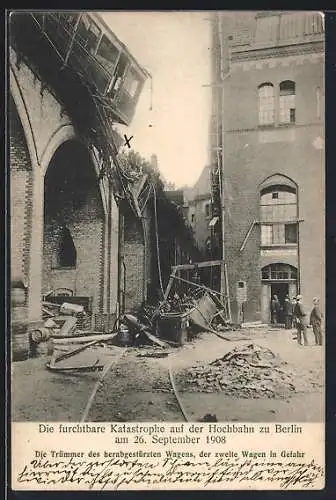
249, 372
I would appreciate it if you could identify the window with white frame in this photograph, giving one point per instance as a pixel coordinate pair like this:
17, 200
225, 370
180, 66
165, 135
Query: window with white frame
278, 215
275, 272
266, 104
287, 102
278, 234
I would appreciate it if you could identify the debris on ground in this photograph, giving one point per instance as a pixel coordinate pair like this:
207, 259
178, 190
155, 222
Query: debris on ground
137, 333
208, 417
179, 318
152, 354
250, 371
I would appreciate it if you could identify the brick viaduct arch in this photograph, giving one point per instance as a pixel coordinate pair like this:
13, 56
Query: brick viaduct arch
46, 127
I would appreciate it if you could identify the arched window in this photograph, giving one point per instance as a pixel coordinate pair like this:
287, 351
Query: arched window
278, 215
67, 256
266, 104
287, 102
278, 272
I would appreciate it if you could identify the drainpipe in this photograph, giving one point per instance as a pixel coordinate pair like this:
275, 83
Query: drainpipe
223, 78
298, 242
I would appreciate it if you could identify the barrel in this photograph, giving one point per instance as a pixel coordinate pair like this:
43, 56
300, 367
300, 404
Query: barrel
125, 337
40, 335
20, 342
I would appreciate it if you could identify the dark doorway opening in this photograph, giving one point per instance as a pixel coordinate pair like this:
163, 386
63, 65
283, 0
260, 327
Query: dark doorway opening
281, 290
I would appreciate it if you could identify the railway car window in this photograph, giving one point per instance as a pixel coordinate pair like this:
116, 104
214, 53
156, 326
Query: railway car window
132, 83
88, 33
118, 75
68, 19
107, 54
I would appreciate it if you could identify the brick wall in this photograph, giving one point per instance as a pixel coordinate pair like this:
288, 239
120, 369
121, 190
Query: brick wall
20, 198
150, 249
134, 259
72, 199
46, 113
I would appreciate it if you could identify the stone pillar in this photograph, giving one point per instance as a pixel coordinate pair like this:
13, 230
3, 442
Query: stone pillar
114, 255
36, 249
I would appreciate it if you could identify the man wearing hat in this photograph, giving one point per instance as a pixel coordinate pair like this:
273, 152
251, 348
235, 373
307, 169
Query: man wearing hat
316, 320
301, 321
288, 312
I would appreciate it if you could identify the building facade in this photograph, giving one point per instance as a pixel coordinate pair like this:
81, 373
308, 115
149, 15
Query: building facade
268, 124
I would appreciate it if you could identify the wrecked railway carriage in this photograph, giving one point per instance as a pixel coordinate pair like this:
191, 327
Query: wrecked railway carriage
80, 226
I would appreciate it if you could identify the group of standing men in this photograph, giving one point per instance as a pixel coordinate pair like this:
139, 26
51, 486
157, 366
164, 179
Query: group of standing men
296, 316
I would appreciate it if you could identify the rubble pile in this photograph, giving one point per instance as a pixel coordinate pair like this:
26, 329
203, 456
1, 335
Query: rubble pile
250, 371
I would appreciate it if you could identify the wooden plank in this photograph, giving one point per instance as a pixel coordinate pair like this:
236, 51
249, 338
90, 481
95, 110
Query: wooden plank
155, 339
82, 339
69, 354
52, 304
170, 284
247, 235
45, 311
227, 292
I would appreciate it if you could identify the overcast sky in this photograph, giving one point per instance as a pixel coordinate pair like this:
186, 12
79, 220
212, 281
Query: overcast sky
174, 48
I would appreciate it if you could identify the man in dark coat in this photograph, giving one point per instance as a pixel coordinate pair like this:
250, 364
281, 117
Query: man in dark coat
275, 309
316, 320
300, 316
288, 312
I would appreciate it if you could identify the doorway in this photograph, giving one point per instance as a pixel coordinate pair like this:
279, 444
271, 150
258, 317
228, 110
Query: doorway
281, 290
277, 279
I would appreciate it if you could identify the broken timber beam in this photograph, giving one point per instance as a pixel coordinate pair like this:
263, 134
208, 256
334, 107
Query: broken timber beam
209, 263
155, 340
188, 267
196, 285
73, 353
170, 284
82, 339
